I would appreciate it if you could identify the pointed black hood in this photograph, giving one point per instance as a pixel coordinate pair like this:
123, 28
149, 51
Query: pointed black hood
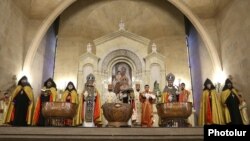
72, 85
50, 80
23, 78
208, 81
228, 81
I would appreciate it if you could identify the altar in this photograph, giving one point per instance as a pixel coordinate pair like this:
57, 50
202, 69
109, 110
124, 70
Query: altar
122, 57
121, 51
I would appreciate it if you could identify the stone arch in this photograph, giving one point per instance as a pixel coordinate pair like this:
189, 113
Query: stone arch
178, 4
202, 32
47, 22
81, 76
121, 53
119, 60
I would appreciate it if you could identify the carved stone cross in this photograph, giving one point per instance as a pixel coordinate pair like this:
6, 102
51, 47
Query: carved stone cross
121, 26
89, 48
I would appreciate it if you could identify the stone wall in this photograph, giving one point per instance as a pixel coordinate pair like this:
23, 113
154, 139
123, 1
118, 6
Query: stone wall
233, 24
12, 40
229, 30
16, 32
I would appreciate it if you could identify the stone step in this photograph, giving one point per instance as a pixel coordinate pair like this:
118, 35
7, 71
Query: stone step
94, 134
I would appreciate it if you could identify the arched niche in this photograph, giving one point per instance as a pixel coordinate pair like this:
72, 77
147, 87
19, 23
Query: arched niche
120, 46
113, 58
155, 74
87, 64
125, 55
155, 61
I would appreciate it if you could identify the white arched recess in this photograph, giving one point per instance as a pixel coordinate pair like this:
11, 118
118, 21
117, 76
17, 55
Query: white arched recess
177, 3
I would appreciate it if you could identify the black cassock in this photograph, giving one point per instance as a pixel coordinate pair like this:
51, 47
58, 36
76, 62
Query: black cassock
21, 107
233, 107
43, 99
